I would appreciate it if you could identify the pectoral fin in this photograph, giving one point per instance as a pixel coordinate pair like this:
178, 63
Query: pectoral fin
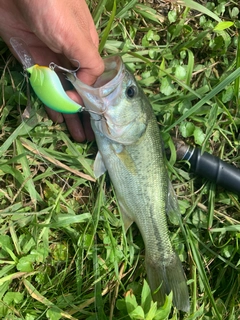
125, 157
99, 166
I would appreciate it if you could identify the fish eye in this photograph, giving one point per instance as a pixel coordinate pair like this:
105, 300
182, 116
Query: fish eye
131, 91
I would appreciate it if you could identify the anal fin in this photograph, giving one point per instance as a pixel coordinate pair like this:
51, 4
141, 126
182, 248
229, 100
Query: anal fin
99, 166
127, 221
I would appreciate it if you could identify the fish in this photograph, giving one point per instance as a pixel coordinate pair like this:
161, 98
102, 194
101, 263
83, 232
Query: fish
130, 149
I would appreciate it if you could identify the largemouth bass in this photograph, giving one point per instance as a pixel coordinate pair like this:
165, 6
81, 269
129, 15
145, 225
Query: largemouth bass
130, 149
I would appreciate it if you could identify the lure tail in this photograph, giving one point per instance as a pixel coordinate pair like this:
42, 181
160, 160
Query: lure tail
21, 50
166, 278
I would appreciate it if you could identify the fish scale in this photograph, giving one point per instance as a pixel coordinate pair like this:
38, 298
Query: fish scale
130, 149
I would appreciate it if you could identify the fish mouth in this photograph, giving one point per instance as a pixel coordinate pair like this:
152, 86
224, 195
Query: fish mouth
112, 69
95, 97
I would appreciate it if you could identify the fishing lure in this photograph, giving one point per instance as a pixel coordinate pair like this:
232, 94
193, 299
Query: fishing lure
44, 80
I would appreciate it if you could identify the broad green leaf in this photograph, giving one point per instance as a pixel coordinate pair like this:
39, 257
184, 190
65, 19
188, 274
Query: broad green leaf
54, 313
137, 313
223, 25
40, 254
163, 312
180, 72
172, 16
235, 12
6, 242
199, 314
228, 251
146, 297
162, 68
13, 297
25, 264
199, 136
186, 128
228, 94
152, 312
167, 87
131, 302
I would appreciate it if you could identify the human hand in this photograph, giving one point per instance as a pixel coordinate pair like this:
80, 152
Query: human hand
59, 31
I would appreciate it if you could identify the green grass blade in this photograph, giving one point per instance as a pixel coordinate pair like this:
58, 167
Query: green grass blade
39, 297
64, 220
197, 6
235, 228
108, 27
23, 129
232, 77
201, 269
125, 9
237, 80
190, 67
27, 174
42, 153
98, 11
81, 158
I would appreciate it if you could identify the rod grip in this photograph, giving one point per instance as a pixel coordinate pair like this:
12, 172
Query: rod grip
214, 169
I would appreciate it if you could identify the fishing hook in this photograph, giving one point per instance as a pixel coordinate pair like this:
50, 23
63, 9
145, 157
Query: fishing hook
53, 65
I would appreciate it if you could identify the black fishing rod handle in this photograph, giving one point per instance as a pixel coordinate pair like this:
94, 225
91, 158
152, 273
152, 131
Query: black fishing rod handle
214, 169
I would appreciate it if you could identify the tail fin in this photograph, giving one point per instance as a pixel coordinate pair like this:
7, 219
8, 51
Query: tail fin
168, 278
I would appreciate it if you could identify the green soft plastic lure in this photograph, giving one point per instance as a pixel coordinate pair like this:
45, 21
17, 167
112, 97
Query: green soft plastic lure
45, 81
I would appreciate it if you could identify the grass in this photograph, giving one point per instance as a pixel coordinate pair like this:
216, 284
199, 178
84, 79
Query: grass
63, 253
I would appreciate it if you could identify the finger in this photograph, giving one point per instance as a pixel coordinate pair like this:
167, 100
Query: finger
56, 117
75, 96
75, 127
89, 134
91, 64
82, 131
